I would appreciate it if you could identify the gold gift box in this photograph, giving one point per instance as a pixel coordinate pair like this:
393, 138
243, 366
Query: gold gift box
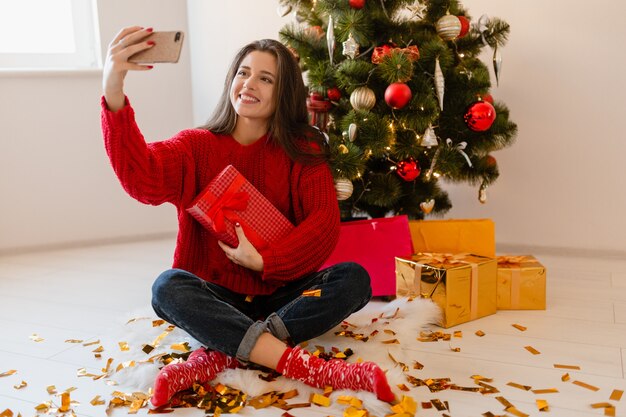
521, 283
463, 285
476, 236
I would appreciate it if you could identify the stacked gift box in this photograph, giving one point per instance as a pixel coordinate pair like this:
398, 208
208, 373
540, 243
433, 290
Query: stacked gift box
454, 264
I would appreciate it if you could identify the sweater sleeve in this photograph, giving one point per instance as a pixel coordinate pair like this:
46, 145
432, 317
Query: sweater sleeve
152, 173
305, 249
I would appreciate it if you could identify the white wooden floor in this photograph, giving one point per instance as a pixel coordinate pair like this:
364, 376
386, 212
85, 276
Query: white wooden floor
82, 294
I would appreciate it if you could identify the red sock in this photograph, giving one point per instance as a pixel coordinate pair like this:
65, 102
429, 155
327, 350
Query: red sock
201, 366
299, 364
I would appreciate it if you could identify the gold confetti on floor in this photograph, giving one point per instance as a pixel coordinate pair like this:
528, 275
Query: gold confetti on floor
522, 387
21, 385
585, 385
479, 333
519, 327
35, 338
532, 350
573, 367
545, 391
7, 373
616, 395
542, 405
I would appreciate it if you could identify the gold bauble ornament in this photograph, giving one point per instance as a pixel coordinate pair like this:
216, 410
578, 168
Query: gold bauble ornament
344, 188
362, 98
448, 27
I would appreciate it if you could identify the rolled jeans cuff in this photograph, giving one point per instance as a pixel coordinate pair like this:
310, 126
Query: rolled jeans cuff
249, 340
277, 328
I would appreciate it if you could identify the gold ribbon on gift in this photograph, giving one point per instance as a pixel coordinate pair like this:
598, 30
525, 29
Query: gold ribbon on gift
508, 261
443, 260
514, 263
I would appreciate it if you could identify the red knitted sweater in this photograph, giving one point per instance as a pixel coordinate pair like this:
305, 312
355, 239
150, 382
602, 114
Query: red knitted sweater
178, 169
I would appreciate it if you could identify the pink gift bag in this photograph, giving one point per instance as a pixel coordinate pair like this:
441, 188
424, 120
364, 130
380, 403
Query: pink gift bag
374, 244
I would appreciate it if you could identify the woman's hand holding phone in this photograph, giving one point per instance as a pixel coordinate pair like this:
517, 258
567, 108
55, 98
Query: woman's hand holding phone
126, 43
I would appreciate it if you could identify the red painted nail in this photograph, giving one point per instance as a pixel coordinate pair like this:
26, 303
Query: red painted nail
151, 43
149, 29
237, 224
150, 66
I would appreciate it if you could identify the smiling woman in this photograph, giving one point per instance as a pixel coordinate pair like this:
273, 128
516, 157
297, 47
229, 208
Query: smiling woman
48, 34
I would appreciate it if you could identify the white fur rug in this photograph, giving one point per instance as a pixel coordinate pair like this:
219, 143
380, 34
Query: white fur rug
400, 319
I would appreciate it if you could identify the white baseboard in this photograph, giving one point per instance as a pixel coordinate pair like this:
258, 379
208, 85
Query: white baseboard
518, 249
86, 243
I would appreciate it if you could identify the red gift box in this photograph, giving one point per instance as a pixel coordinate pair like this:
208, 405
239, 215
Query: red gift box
230, 198
374, 244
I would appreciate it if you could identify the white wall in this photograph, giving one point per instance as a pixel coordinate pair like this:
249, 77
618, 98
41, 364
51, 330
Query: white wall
562, 78
218, 29
560, 184
56, 185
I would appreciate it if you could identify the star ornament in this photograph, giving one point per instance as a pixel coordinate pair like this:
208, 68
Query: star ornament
417, 10
350, 47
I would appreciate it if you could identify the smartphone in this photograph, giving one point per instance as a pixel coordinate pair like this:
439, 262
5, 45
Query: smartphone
167, 47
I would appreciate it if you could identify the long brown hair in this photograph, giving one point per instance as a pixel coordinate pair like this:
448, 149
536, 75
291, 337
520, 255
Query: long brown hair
288, 126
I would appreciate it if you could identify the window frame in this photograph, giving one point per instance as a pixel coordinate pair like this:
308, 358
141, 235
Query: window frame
86, 36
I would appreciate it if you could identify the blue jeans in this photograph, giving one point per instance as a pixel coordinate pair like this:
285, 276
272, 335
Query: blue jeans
223, 320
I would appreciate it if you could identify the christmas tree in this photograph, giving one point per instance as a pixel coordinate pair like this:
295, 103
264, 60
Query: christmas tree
404, 100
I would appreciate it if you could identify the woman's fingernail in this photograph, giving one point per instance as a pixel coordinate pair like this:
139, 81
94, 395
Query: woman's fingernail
237, 224
151, 43
149, 29
150, 66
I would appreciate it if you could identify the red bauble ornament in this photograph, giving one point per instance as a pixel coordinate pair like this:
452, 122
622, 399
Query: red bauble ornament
409, 169
465, 25
397, 95
480, 116
490, 161
333, 94
357, 4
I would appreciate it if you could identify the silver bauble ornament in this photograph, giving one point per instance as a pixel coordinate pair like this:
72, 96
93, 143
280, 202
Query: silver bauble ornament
362, 98
344, 188
448, 27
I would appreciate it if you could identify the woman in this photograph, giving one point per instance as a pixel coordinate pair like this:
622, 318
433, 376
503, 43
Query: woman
245, 305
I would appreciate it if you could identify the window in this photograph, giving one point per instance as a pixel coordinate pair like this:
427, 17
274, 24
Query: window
48, 34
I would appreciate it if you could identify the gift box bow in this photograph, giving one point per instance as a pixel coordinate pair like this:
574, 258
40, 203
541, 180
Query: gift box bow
508, 261
226, 207
229, 205
444, 260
